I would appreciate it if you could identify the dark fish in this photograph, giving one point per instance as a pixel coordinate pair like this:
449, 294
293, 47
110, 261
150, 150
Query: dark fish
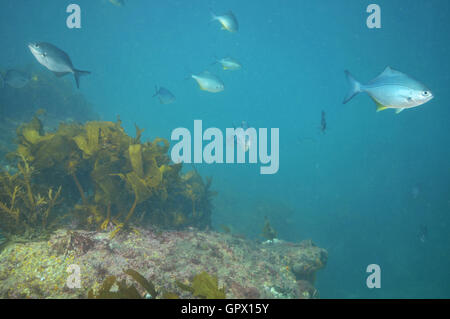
164, 95
16, 79
56, 60
323, 123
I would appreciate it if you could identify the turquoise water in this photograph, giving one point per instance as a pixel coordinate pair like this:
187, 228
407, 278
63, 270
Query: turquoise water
361, 190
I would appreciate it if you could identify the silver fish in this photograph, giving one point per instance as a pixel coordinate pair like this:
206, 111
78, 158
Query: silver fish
56, 60
209, 82
392, 89
16, 79
164, 95
227, 20
229, 63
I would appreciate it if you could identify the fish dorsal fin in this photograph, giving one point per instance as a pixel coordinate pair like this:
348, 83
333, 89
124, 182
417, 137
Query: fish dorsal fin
388, 71
230, 14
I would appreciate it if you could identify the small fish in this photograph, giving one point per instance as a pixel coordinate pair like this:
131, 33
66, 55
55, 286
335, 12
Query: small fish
209, 82
2, 83
392, 89
118, 3
229, 63
227, 20
323, 123
56, 60
423, 233
164, 95
16, 79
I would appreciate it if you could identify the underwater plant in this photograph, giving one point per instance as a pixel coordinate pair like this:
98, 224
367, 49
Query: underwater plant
204, 286
123, 291
107, 175
26, 209
268, 232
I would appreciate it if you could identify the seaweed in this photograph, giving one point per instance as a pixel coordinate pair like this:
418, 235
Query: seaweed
268, 232
26, 210
204, 286
107, 176
147, 285
124, 291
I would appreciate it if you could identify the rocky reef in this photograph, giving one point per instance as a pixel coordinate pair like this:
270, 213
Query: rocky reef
78, 193
176, 264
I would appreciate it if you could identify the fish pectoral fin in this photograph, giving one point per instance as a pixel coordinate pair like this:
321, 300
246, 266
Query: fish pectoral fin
60, 74
399, 110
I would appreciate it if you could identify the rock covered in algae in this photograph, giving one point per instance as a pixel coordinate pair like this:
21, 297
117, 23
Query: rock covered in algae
212, 264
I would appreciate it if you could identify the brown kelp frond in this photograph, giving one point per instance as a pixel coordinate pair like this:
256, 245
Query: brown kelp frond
124, 291
204, 286
268, 232
106, 176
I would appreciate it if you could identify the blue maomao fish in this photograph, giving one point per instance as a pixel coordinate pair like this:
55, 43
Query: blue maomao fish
209, 82
16, 79
227, 20
229, 63
391, 89
164, 95
55, 59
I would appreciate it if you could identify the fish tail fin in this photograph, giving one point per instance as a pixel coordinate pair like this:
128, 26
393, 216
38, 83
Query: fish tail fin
213, 16
216, 60
77, 74
355, 87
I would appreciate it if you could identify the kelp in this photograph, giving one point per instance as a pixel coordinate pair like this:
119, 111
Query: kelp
268, 232
124, 291
204, 286
26, 210
107, 175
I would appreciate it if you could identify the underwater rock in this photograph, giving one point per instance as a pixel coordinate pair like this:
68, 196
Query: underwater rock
165, 259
